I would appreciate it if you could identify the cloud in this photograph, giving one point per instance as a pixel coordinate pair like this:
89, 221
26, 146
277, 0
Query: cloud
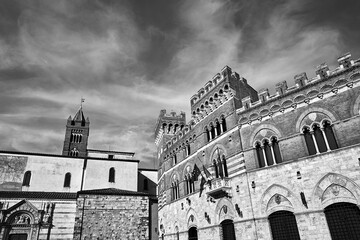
130, 59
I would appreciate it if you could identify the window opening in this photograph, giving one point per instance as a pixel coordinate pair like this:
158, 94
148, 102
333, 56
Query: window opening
27, 178
67, 180
112, 175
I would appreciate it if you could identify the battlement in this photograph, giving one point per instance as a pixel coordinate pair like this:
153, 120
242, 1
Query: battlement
226, 72
322, 73
168, 123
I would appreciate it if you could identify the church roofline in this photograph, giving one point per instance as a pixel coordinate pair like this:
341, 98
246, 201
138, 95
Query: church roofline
65, 156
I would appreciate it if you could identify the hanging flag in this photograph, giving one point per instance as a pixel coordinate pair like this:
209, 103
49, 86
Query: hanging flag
202, 183
207, 173
196, 172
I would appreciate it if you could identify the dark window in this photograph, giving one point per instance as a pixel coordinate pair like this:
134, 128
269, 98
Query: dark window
343, 220
27, 177
225, 166
188, 149
112, 175
175, 160
177, 236
216, 169
111, 156
276, 148
212, 132
309, 141
207, 134
146, 184
218, 128
223, 122
67, 180
283, 226
260, 155
268, 153
319, 137
193, 233
330, 135
228, 231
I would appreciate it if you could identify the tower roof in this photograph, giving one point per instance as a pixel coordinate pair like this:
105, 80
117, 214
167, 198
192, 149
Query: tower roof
79, 116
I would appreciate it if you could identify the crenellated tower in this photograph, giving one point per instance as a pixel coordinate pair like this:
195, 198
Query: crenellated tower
76, 135
167, 125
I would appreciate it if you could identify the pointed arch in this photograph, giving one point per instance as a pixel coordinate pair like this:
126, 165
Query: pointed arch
191, 218
334, 188
288, 200
224, 210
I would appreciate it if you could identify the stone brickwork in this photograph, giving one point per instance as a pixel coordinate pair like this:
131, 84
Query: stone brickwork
302, 183
112, 217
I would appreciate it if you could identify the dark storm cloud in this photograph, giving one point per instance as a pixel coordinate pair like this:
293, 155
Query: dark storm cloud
129, 59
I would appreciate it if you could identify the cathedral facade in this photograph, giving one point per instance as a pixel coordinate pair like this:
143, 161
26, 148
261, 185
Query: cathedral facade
81, 194
251, 165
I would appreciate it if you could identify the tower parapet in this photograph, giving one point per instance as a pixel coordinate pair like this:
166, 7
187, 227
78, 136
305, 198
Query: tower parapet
168, 124
223, 86
322, 72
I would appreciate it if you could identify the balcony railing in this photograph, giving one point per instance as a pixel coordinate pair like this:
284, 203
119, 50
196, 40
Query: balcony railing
219, 188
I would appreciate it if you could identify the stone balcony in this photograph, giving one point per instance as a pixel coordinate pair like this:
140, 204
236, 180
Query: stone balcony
219, 188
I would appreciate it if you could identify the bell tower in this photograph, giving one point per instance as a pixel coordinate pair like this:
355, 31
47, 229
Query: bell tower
76, 135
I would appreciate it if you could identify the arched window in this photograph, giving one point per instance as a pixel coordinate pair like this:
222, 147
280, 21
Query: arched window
228, 230
320, 141
330, 135
212, 131
207, 134
223, 124
283, 226
218, 128
175, 193
67, 179
193, 233
112, 175
276, 149
320, 138
146, 184
268, 153
216, 168
27, 178
190, 184
224, 165
260, 155
309, 140
343, 221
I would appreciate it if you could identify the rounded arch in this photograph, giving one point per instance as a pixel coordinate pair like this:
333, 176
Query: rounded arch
260, 128
22, 216
355, 76
334, 188
224, 210
277, 198
333, 117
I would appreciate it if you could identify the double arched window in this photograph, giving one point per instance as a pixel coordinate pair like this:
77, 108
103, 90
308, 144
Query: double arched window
175, 192
220, 167
189, 181
27, 178
268, 152
319, 137
74, 152
215, 129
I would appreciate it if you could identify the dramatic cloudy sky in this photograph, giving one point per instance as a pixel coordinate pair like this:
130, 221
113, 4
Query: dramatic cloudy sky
129, 59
